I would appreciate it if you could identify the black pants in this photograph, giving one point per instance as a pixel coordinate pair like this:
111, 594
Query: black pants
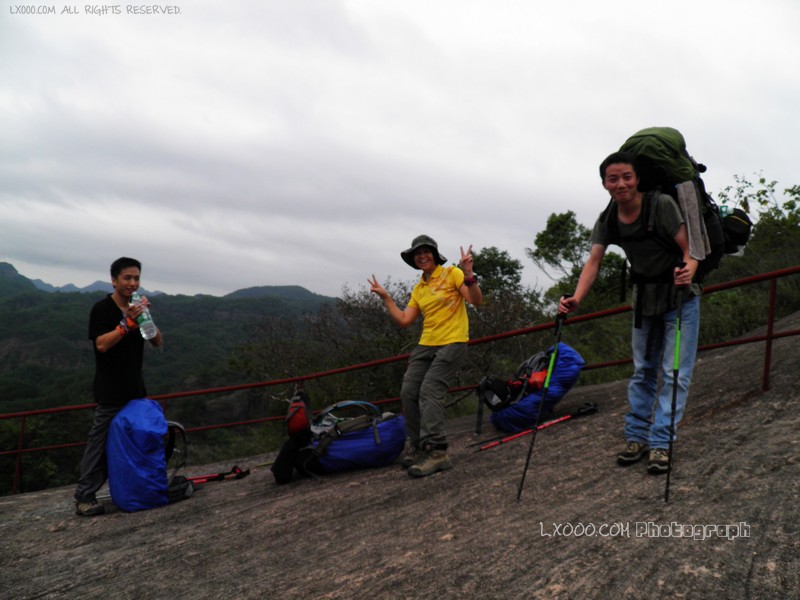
94, 466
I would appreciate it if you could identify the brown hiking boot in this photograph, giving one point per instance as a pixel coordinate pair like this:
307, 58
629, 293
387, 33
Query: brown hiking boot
633, 453
659, 461
89, 509
432, 461
411, 456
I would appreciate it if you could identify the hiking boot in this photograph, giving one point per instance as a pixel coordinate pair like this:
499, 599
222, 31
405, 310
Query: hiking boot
634, 452
432, 461
659, 461
89, 509
411, 456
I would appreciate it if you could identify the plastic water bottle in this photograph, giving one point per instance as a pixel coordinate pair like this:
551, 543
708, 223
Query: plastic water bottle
146, 325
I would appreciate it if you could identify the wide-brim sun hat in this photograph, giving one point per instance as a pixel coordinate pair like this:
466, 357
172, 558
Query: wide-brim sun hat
419, 241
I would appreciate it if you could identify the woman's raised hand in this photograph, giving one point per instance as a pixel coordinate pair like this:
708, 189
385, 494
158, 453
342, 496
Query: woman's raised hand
377, 288
466, 261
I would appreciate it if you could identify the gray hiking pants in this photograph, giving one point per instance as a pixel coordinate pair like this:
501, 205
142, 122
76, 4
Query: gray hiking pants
94, 468
431, 370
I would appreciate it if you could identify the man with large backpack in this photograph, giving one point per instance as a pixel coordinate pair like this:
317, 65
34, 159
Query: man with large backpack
663, 274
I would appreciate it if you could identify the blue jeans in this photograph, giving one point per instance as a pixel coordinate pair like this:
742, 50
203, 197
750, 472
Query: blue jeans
650, 408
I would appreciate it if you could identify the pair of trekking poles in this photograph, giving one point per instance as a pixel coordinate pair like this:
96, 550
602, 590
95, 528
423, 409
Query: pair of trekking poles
560, 319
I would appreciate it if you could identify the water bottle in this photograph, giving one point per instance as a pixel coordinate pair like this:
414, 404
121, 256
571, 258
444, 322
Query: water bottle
146, 325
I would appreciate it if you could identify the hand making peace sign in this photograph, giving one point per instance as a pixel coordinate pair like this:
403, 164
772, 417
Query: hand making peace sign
466, 261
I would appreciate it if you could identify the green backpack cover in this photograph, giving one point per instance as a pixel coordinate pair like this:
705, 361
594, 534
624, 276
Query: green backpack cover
663, 158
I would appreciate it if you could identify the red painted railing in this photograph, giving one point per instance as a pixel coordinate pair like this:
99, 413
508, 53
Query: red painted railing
767, 338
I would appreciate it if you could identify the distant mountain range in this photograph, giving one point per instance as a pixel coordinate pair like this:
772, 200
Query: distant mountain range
10, 277
97, 286
46, 359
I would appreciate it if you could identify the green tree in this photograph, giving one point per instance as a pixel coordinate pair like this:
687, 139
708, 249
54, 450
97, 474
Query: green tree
774, 245
353, 330
774, 242
498, 271
760, 198
562, 246
611, 288
507, 305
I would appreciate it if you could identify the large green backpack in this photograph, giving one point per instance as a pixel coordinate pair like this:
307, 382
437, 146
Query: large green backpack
663, 164
663, 159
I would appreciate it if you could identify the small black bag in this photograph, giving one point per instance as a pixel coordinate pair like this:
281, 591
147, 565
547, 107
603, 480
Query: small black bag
180, 488
737, 227
283, 467
498, 394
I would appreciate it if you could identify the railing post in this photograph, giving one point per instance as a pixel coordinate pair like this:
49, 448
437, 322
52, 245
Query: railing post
773, 292
18, 469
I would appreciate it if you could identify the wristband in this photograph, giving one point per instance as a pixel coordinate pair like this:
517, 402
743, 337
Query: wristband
123, 326
471, 280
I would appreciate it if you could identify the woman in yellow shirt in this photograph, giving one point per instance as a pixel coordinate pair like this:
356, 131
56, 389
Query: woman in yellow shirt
440, 297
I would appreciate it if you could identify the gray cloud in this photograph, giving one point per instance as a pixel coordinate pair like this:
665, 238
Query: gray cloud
307, 142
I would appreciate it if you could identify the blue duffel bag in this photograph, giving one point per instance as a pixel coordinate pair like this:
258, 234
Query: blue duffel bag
346, 436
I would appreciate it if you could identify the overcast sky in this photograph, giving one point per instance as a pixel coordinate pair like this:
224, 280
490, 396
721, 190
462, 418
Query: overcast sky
258, 142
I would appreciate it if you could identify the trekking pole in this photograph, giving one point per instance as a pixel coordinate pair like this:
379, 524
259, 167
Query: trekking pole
553, 357
675, 367
509, 437
234, 473
587, 409
479, 417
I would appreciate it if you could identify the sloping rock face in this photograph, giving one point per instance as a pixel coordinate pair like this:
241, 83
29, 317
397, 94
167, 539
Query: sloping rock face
584, 527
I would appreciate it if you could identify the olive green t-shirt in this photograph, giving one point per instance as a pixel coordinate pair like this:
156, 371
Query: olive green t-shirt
649, 255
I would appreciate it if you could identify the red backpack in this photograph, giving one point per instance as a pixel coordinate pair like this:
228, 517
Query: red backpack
299, 417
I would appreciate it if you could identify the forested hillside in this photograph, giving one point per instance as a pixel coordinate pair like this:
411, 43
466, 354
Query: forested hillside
46, 359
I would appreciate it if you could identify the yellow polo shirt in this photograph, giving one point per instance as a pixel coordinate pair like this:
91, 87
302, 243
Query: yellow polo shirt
443, 308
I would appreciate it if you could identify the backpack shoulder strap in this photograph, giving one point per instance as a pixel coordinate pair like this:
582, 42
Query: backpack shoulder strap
650, 202
648, 218
343, 427
531, 365
609, 218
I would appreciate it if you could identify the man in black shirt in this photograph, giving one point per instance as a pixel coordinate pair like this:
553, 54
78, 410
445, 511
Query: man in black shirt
118, 350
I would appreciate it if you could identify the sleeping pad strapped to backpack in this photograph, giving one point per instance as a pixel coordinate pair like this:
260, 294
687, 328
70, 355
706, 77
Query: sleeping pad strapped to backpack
343, 437
137, 464
523, 413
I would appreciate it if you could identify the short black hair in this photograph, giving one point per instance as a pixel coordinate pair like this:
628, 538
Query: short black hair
624, 158
123, 263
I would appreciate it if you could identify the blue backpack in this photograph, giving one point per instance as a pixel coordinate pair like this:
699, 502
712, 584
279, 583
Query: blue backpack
523, 413
356, 435
343, 437
137, 464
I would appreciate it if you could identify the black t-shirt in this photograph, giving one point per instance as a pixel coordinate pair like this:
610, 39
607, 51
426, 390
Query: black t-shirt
118, 373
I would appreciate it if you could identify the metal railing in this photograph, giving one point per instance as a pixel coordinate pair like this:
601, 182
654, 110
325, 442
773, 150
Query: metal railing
768, 337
